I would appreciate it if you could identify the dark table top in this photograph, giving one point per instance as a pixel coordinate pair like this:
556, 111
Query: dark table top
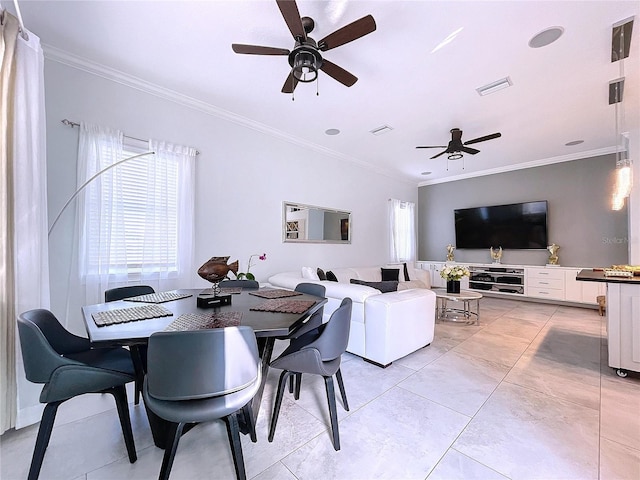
265, 324
588, 275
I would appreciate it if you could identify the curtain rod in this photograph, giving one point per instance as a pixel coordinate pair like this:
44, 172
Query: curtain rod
23, 31
71, 124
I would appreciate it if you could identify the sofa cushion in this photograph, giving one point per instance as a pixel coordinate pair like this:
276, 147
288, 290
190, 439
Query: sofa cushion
321, 274
385, 286
309, 273
390, 274
331, 276
406, 273
411, 284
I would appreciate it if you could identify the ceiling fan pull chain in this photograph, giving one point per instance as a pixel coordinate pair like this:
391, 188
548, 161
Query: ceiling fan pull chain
317, 87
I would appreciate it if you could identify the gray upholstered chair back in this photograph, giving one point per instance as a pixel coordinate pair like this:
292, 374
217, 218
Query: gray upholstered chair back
239, 283
334, 337
201, 364
43, 341
311, 289
129, 291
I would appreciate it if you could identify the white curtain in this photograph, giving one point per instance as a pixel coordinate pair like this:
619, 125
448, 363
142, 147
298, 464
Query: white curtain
24, 268
402, 231
161, 262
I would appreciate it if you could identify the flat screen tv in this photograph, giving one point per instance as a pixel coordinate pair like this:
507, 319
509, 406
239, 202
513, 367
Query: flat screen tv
514, 226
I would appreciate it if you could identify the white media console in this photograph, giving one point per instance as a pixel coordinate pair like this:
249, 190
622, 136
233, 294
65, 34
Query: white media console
551, 283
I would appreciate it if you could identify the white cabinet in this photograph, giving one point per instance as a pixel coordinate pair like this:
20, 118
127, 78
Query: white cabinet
581, 292
436, 280
545, 283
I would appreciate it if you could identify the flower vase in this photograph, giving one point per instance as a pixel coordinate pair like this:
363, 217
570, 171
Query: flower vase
453, 286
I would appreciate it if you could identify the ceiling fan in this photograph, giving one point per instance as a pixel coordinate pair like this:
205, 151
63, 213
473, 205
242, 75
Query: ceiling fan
456, 146
306, 59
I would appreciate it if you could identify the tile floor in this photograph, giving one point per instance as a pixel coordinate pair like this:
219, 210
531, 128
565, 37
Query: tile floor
526, 394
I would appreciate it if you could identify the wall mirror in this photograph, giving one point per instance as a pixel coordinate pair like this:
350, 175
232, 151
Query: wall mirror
310, 224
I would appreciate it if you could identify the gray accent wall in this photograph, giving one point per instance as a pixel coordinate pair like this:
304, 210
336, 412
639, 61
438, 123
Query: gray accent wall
580, 218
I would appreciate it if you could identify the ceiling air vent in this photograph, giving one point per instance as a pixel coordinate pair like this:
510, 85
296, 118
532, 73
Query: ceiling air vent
494, 86
381, 130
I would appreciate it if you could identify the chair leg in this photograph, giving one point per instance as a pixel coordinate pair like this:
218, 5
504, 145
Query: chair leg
296, 395
136, 358
342, 390
247, 411
170, 450
120, 396
236, 445
291, 384
276, 409
44, 434
333, 414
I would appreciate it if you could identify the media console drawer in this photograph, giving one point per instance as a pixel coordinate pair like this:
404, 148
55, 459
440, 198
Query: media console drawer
545, 273
542, 292
546, 283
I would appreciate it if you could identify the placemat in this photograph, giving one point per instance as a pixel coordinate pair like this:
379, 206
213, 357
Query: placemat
275, 293
284, 306
201, 321
159, 297
230, 290
133, 314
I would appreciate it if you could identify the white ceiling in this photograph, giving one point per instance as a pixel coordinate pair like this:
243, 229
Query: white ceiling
559, 92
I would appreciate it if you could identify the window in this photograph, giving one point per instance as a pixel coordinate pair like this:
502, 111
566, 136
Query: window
402, 231
137, 215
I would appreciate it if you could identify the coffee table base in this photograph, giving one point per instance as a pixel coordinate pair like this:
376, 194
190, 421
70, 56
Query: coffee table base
463, 315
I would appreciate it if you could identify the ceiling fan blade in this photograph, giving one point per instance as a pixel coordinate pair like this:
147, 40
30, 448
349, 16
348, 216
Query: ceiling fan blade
472, 151
290, 84
432, 146
348, 33
436, 156
482, 139
291, 15
258, 50
338, 73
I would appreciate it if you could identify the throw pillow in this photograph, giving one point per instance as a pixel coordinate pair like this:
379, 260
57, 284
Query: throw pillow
384, 286
406, 273
331, 276
309, 273
321, 274
390, 274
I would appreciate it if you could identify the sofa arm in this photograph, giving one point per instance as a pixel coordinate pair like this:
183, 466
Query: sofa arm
398, 323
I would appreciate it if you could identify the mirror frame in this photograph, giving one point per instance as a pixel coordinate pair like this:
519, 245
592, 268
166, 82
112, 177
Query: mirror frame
287, 228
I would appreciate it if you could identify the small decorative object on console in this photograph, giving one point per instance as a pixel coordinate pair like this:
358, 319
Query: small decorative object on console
215, 270
553, 254
247, 275
496, 255
450, 249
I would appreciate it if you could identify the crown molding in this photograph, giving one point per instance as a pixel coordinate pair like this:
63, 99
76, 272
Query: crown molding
521, 166
61, 56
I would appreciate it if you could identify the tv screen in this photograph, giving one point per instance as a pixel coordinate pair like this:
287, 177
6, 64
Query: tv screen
514, 226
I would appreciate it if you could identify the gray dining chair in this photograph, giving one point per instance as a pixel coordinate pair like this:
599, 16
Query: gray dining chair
138, 351
319, 355
248, 284
68, 366
199, 376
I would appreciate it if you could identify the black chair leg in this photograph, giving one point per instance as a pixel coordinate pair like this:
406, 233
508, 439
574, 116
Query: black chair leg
136, 358
342, 391
170, 450
333, 414
236, 445
296, 395
276, 409
247, 411
120, 396
44, 434
291, 384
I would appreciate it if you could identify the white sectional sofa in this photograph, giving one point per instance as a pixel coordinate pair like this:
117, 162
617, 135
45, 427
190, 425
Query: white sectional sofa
384, 326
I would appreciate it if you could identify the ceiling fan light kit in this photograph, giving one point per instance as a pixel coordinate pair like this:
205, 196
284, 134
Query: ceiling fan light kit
305, 59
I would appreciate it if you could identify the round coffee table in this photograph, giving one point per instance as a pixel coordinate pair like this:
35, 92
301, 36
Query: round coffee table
457, 313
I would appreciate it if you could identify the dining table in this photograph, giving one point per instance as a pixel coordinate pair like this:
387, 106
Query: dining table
117, 324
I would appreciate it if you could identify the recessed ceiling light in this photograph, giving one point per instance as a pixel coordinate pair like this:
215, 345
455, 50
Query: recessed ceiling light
425, 173
574, 142
546, 37
380, 130
494, 86
332, 131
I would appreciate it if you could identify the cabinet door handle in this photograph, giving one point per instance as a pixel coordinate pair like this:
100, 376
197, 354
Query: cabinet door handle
544, 283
